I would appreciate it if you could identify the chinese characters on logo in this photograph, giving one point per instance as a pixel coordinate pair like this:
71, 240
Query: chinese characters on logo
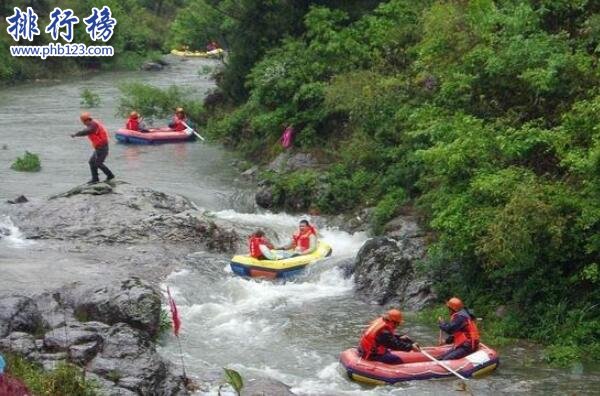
99, 26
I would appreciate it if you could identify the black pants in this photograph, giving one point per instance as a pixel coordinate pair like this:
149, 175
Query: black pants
458, 352
97, 162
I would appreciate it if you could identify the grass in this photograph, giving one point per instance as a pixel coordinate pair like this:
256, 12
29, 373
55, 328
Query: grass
28, 163
65, 380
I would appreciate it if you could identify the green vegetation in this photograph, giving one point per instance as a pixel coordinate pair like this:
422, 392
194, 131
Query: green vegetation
234, 379
152, 102
89, 98
140, 33
483, 115
27, 163
65, 380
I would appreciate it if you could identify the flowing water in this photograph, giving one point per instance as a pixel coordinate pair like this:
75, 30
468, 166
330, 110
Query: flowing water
292, 331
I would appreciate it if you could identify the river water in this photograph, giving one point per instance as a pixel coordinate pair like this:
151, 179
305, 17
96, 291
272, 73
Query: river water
291, 331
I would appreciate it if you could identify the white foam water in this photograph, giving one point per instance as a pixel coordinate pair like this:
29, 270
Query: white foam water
14, 237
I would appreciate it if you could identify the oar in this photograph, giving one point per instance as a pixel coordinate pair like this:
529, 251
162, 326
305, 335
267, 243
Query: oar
444, 365
192, 129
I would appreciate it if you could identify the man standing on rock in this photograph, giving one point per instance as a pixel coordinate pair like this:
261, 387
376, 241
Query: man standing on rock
98, 135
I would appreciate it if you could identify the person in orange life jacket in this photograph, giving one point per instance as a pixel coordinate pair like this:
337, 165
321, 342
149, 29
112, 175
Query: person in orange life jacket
462, 329
380, 338
304, 241
260, 247
178, 120
135, 123
98, 136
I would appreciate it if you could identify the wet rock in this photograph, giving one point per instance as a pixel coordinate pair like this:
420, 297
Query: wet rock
19, 343
19, 313
133, 302
18, 200
265, 386
4, 232
358, 221
384, 270
250, 173
62, 338
137, 215
287, 162
152, 66
264, 197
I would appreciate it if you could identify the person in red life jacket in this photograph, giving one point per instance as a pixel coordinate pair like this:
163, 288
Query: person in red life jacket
179, 120
462, 329
135, 123
380, 338
260, 247
98, 136
304, 241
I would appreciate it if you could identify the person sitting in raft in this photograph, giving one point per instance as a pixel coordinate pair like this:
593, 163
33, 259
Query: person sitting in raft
462, 329
135, 123
304, 241
260, 247
380, 338
179, 121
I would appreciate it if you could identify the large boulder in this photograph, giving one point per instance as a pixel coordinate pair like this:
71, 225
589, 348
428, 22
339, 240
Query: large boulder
19, 313
287, 162
121, 213
384, 269
132, 301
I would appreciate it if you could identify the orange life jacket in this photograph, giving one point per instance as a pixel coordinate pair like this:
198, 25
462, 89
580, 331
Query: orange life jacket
303, 240
178, 123
133, 124
468, 333
368, 340
255, 243
100, 137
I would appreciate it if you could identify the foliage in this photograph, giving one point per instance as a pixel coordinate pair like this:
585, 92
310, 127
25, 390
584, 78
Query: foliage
64, 380
234, 379
27, 163
89, 98
483, 114
152, 102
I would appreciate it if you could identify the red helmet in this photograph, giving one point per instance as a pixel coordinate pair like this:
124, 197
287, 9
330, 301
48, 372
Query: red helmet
455, 304
85, 116
394, 315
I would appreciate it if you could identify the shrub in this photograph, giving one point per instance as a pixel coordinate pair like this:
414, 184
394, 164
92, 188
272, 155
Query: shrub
27, 163
89, 98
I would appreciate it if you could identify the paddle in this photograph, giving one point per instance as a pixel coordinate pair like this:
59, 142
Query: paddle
444, 365
193, 131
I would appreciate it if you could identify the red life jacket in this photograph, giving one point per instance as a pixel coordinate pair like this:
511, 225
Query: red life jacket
178, 124
99, 138
303, 240
133, 124
469, 332
255, 243
368, 340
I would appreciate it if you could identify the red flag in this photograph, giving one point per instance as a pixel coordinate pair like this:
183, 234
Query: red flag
174, 314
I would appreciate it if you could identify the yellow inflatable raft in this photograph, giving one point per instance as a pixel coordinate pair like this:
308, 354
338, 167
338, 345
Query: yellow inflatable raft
245, 265
199, 54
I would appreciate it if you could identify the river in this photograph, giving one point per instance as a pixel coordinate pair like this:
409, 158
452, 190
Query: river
291, 331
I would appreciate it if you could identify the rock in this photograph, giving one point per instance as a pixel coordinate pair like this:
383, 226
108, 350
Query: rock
152, 66
384, 270
62, 338
286, 162
19, 343
264, 197
250, 173
20, 199
265, 386
19, 313
83, 353
137, 216
4, 232
132, 301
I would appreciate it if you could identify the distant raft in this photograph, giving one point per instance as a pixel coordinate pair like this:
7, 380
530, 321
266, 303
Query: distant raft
417, 366
199, 54
245, 265
155, 136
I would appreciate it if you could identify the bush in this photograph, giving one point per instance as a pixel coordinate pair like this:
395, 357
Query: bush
28, 163
89, 98
64, 380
